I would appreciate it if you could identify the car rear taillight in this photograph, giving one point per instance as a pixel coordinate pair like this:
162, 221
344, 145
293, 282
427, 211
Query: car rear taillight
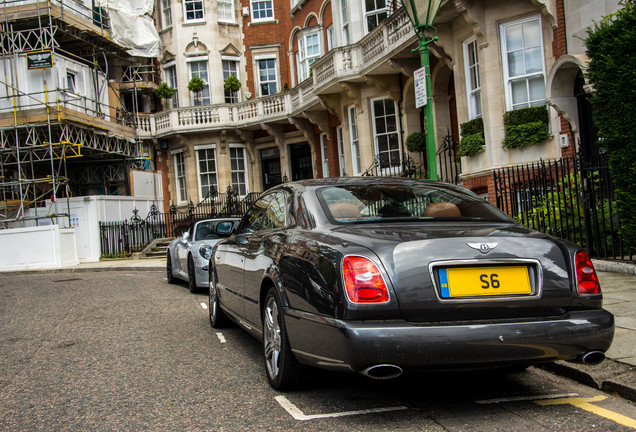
586, 279
363, 281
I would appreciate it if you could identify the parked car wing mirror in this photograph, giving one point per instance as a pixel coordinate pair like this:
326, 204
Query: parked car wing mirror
185, 236
224, 227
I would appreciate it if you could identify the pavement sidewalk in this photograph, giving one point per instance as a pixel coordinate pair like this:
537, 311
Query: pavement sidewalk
616, 375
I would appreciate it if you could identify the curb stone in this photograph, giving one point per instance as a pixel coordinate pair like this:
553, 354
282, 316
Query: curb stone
610, 376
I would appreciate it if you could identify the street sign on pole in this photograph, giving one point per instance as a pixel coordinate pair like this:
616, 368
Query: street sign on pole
419, 77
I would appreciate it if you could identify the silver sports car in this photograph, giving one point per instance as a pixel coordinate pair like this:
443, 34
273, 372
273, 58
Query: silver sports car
188, 255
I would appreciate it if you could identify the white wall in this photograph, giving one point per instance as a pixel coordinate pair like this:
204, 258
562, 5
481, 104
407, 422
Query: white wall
147, 184
37, 248
87, 212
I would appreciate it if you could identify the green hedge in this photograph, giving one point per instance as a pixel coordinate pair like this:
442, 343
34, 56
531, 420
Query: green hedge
526, 127
610, 47
472, 137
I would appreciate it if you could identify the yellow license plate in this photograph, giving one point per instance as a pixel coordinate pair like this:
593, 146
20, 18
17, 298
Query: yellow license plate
484, 281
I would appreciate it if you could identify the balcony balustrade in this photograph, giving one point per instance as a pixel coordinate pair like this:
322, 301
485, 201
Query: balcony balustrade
338, 65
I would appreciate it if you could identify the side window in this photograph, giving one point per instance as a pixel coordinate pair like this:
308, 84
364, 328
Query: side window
268, 212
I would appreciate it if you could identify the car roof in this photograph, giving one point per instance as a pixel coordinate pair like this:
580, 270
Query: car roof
362, 181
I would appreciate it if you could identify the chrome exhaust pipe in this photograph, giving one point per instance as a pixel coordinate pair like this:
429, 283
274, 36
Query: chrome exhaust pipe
592, 357
382, 371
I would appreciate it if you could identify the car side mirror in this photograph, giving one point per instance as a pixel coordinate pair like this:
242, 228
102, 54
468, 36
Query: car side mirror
185, 236
224, 227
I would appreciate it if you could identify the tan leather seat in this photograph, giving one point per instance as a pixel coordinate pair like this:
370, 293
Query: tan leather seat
344, 210
441, 210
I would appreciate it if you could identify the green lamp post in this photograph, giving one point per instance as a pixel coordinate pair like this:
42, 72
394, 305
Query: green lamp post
422, 14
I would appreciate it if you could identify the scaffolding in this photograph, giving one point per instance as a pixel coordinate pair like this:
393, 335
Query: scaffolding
60, 131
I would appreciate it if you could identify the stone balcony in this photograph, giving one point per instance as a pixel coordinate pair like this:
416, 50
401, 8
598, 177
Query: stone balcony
350, 63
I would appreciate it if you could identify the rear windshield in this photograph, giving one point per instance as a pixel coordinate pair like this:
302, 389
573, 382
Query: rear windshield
370, 203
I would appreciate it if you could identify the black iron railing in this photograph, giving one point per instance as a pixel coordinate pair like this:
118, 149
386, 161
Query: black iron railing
125, 237
571, 198
404, 167
447, 161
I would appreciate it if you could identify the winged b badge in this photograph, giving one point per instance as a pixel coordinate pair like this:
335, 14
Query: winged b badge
483, 247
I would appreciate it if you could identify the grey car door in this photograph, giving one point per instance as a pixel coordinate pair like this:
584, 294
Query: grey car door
257, 259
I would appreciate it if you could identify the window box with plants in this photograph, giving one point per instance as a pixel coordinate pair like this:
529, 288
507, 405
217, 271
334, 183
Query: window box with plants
526, 127
472, 141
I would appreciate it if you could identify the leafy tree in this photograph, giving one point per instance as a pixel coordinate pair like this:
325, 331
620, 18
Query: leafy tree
610, 47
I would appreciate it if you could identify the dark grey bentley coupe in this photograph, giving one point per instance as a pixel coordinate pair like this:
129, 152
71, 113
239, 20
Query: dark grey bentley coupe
385, 275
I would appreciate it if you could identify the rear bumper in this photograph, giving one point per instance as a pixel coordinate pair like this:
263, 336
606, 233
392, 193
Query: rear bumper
354, 346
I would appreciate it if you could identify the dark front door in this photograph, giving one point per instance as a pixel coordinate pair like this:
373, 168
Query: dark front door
301, 161
270, 161
589, 145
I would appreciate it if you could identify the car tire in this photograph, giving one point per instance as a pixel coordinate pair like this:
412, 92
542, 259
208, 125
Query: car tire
218, 319
169, 274
192, 278
284, 372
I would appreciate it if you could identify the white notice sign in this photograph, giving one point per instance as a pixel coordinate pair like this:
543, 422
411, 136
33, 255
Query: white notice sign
420, 87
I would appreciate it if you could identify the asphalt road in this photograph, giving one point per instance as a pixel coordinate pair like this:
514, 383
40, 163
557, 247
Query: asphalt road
106, 351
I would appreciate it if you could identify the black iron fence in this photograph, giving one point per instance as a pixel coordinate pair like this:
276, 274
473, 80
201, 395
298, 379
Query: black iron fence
125, 237
404, 167
571, 198
447, 161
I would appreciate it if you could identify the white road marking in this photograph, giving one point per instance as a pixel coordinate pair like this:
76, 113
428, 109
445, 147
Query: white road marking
526, 398
204, 306
300, 416
221, 337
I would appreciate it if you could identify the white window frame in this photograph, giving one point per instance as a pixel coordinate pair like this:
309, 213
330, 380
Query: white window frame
324, 144
258, 59
508, 80
205, 93
341, 152
194, 19
266, 18
244, 171
166, 13
225, 19
376, 135
354, 140
304, 59
330, 37
344, 21
72, 81
180, 176
170, 72
236, 62
375, 13
197, 150
473, 94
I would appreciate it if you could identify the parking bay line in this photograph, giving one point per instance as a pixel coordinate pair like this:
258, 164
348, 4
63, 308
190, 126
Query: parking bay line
570, 399
526, 398
586, 404
297, 414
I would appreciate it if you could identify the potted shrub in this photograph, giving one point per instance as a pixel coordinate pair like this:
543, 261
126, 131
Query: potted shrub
164, 91
526, 127
232, 84
473, 139
416, 142
196, 84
